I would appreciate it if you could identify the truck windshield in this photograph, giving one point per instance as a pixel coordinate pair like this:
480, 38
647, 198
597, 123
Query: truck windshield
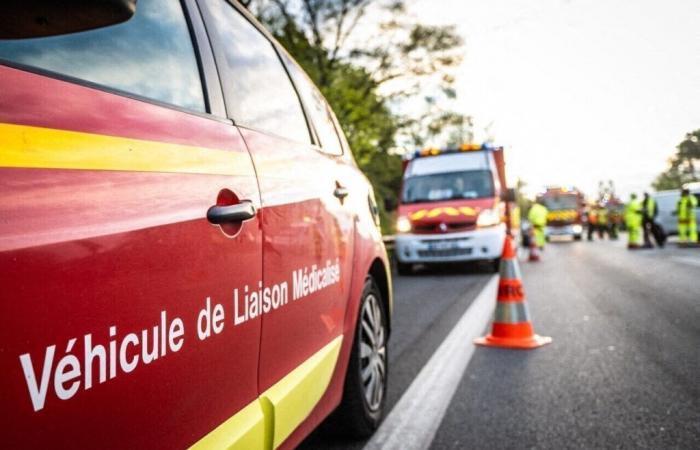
559, 202
448, 186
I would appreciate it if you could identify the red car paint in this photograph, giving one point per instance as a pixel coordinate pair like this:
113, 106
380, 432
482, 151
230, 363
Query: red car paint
84, 250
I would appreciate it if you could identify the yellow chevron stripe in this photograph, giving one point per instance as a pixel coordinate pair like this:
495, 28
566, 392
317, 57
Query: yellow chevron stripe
266, 422
37, 147
294, 396
245, 430
447, 210
562, 215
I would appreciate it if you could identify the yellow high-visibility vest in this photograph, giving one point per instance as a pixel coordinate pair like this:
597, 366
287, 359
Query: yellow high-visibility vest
651, 207
685, 208
538, 215
633, 218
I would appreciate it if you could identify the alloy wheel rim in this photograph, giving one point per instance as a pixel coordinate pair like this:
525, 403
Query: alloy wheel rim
372, 352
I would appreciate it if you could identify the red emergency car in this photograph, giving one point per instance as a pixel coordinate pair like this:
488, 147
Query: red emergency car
189, 255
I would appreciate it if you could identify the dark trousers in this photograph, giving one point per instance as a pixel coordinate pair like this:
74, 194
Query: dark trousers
591, 229
602, 229
646, 229
652, 229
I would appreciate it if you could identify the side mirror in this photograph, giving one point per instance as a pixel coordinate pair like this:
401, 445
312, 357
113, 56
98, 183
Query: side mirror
509, 195
21, 19
389, 204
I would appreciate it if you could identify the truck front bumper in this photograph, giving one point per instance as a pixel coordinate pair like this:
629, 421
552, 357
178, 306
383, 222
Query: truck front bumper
565, 230
484, 243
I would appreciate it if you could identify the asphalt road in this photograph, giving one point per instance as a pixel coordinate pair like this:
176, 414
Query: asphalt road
623, 370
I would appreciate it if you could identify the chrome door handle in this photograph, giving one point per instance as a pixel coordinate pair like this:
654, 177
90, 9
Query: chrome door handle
231, 213
341, 192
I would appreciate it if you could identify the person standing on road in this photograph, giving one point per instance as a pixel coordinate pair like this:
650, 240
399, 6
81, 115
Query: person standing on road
615, 219
649, 225
602, 222
592, 221
687, 227
633, 221
538, 218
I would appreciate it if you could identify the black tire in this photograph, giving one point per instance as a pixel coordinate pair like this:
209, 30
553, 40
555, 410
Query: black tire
404, 269
577, 237
496, 265
356, 417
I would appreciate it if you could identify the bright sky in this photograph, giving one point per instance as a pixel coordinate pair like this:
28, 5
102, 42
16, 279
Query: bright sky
579, 90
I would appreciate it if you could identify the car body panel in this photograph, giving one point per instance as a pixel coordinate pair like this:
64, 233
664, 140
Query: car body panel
304, 226
91, 247
286, 404
104, 233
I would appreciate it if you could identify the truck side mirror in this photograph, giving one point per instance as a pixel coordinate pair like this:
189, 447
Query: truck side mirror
389, 204
21, 19
509, 195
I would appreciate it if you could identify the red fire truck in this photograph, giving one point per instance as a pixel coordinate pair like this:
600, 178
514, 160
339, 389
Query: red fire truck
566, 211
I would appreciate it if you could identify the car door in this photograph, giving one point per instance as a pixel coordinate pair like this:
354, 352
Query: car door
307, 226
117, 308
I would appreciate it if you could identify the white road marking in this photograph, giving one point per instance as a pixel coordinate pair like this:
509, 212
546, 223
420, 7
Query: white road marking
415, 419
686, 260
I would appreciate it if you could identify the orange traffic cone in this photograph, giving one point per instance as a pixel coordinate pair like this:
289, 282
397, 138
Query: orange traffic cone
534, 249
511, 326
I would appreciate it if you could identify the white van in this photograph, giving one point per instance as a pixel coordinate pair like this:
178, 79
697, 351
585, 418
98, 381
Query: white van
667, 202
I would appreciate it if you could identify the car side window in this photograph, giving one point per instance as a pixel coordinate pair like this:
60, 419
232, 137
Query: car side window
150, 55
318, 110
259, 93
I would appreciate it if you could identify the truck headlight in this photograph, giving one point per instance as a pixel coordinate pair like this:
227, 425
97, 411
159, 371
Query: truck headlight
488, 218
577, 229
403, 225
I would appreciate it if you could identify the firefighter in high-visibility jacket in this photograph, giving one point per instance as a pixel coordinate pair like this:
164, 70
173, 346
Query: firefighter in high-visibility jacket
633, 221
602, 221
538, 218
592, 221
687, 227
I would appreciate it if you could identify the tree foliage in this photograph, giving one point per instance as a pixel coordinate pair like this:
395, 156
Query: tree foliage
684, 166
371, 83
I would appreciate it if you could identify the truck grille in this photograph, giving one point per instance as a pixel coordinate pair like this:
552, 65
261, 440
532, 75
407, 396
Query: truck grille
444, 253
434, 228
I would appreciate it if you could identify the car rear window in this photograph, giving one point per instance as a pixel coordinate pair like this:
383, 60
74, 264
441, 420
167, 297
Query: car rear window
259, 93
151, 55
318, 110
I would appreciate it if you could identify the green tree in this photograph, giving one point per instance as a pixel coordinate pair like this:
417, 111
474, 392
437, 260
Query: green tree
435, 126
684, 166
367, 84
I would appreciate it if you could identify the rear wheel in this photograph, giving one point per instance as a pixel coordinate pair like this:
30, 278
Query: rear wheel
496, 265
364, 393
404, 268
